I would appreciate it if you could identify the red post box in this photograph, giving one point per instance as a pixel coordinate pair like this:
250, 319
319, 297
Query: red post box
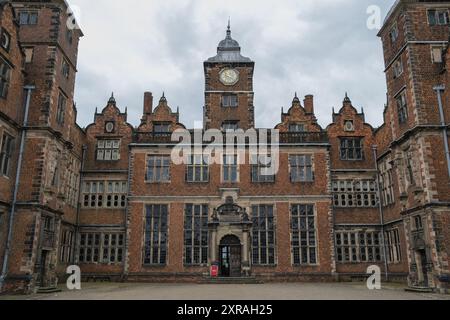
214, 271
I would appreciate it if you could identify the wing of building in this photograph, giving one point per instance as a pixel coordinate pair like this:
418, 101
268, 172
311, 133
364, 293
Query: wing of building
123, 203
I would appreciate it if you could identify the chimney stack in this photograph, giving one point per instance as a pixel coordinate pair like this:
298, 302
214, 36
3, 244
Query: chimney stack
148, 103
308, 103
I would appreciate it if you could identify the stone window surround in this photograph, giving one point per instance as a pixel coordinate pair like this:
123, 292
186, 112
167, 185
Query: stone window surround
161, 168
305, 167
397, 67
354, 249
258, 231
204, 172
354, 147
114, 149
308, 246
393, 245
5, 77
362, 193
105, 193
161, 262
5, 155
66, 246
436, 17
202, 248
98, 246
231, 167
29, 14
402, 106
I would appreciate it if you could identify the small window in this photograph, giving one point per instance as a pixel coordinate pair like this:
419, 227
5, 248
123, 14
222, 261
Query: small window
398, 68
198, 169
418, 223
158, 169
262, 171
402, 108
65, 69
28, 18
62, 101
230, 169
437, 54
229, 101
28, 55
161, 128
351, 149
297, 127
230, 125
6, 154
438, 17
108, 150
5, 40
5, 74
301, 168
393, 34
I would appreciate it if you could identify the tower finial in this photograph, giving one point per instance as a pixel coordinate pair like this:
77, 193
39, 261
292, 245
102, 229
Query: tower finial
112, 100
229, 27
347, 99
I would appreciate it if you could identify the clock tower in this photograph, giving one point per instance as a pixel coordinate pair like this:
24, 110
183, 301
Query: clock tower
229, 88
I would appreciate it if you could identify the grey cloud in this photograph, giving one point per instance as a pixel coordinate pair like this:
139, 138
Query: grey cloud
319, 47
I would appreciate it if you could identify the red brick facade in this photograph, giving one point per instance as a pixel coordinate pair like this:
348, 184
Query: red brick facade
110, 198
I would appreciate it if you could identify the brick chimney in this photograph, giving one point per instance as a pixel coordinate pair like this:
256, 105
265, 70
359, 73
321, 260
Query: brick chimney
308, 103
148, 103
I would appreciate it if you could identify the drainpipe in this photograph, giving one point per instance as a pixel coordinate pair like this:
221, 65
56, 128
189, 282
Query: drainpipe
439, 90
74, 257
380, 209
4, 274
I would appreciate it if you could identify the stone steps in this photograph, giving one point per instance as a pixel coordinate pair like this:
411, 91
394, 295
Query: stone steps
419, 289
230, 280
45, 290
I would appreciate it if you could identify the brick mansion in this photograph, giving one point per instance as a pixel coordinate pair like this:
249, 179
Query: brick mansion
109, 198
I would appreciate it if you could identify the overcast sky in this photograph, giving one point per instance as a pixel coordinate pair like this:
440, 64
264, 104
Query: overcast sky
320, 47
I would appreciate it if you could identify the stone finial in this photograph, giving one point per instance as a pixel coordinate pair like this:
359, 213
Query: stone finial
112, 100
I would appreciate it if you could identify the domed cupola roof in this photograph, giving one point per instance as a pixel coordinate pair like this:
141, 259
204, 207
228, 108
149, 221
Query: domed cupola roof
228, 43
229, 50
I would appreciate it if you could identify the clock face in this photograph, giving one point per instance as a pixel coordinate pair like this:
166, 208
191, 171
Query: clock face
229, 77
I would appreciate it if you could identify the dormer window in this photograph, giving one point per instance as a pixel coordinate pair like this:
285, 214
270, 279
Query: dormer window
438, 17
229, 101
351, 148
161, 128
108, 150
230, 125
297, 127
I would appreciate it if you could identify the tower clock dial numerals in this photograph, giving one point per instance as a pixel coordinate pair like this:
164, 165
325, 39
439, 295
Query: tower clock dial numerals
229, 77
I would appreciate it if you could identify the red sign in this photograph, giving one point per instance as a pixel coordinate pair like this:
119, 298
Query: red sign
214, 271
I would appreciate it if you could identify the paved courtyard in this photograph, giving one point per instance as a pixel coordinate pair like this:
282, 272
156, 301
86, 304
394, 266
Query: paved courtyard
270, 291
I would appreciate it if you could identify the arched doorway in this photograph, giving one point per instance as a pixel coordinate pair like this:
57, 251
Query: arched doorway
230, 256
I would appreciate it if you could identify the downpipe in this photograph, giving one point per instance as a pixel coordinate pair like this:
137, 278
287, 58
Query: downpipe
439, 90
380, 209
12, 212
